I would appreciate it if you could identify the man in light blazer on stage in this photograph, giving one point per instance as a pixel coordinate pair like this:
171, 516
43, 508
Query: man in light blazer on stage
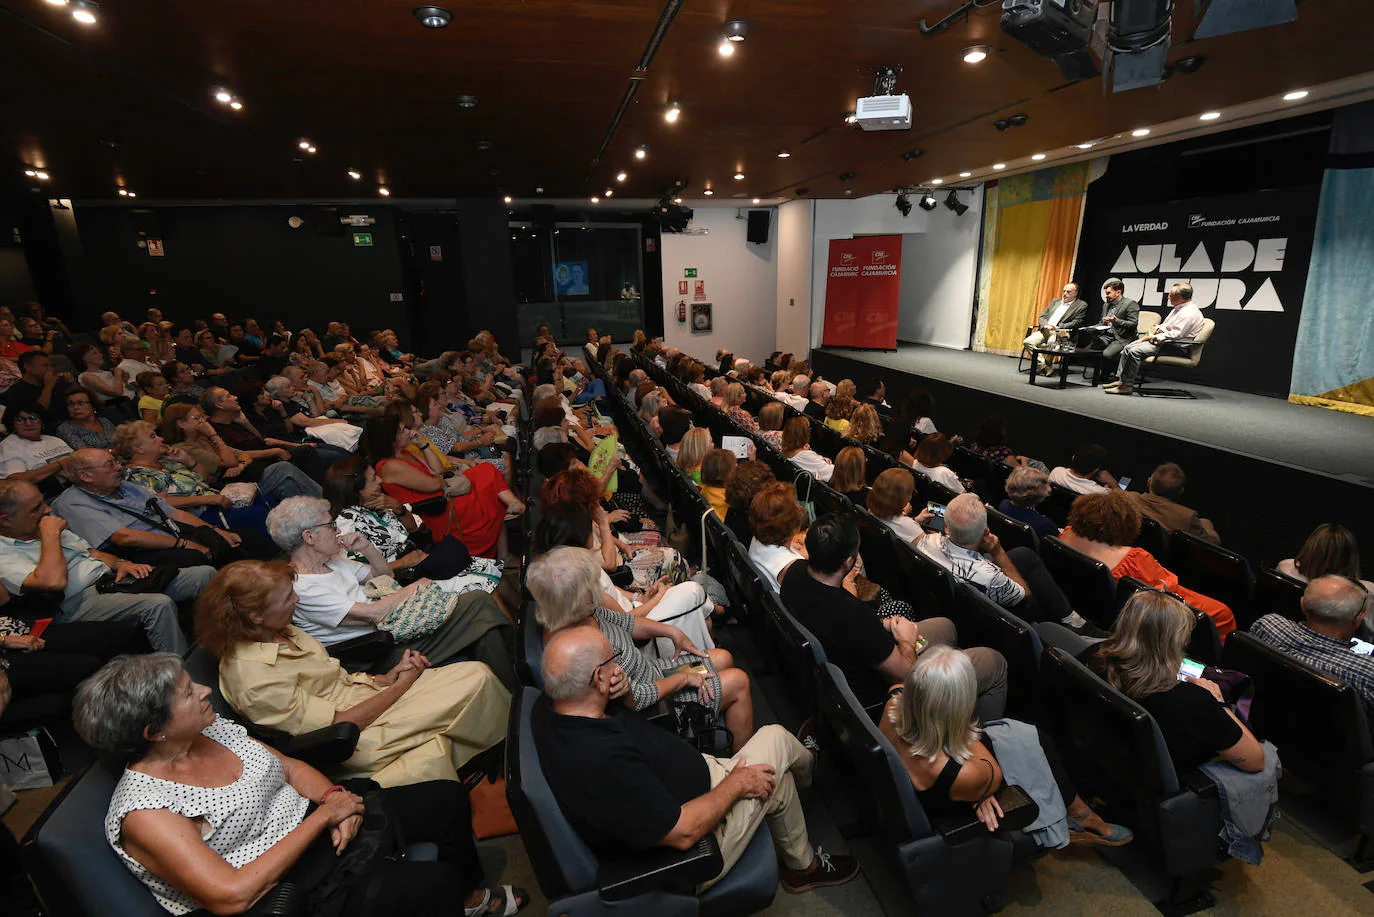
1063, 314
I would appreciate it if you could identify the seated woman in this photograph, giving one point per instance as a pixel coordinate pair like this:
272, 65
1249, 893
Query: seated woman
930, 721
1105, 527
741, 485
776, 519
567, 593
864, 424
152, 392
683, 605
1330, 549
165, 470
418, 722
186, 427
930, 459
692, 451
473, 510
208, 818
715, 468
771, 416
890, 502
332, 605
849, 475
695, 377
718, 386
451, 434
84, 428
796, 446
1027, 488
1141, 659
733, 404
92, 375
991, 440
837, 413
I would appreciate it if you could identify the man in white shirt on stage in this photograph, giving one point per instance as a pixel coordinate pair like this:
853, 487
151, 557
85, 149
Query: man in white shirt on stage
1183, 323
1063, 314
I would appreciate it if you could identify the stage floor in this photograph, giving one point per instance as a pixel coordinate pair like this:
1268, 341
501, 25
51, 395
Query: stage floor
1316, 440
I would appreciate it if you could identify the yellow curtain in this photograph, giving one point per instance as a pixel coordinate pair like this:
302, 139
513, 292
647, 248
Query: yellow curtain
1035, 223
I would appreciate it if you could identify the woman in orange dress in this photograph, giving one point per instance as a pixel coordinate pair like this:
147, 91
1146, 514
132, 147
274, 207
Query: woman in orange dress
475, 517
1104, 526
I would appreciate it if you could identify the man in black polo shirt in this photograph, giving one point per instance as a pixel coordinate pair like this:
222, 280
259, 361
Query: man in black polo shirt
874, 653
627, 785
40, 385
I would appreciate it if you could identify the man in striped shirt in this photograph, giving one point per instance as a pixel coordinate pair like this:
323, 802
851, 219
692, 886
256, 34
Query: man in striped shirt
1334, 607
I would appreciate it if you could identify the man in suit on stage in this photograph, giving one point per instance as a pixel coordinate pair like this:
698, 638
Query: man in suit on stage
1183, 323
1121, 318
1063, 314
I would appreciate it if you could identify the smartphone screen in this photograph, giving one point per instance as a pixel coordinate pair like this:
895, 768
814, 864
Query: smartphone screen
1123, 483
1189, 669
937, 508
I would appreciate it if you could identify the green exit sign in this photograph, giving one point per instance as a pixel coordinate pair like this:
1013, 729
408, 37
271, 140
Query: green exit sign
362, 239
689, 272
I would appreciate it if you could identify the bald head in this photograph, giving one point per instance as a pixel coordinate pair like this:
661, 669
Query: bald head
819, 392
571, 660
1335, 605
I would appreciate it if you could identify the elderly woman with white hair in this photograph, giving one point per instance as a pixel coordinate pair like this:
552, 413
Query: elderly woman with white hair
332, 604
566, 586
1027, 488
930, 721
209, 818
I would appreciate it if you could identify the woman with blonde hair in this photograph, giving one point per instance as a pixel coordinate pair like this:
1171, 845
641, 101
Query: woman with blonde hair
771, 416
930, 722
1141, 659
692, 451
864, 425
796, 447
733, 404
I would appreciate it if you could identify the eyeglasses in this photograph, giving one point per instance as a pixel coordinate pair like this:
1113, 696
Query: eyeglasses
614, 656
325, 525
106, 466
27, 418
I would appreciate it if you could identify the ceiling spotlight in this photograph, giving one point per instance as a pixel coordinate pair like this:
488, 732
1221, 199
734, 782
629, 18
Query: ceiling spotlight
756, 200
739, 176
224, 95
84, 12
1037, 156
850, 118
976, 54
912, 154
725, 48
539, 190
677, 200
784, 154
41, 175
467, 100
999, 166
903, 204
132, 194
937, 181
123, 192
621, 175
304, 144
735, 30
236, 105
848, 176
965, 174
507, 198
30, 173
355, 174
673, 112
58, 2
384, 192
1209, 116
1140, 132
311, 149
1087, 146
708, 192
928, 202
641, 151
610, 192
1295, 95
595, 199
433, 17
953, 203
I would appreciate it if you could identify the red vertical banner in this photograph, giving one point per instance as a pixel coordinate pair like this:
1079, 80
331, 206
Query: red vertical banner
862, 290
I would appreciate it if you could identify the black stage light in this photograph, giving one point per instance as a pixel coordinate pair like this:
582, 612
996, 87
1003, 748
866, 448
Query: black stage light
928, 202
953, 203
903, 204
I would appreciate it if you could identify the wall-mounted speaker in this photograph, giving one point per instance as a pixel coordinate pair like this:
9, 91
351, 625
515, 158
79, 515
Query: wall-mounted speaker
758, 226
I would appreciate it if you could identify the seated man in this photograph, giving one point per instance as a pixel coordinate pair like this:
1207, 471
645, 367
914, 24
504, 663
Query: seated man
1122, 317
1183, 323
38, 553
1060, 316
1015, 579
1085, 474
117, 516
1165, 487
1334, 607
666, 793
874, 653
818, 396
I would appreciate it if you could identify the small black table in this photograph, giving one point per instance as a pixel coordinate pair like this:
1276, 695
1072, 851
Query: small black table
1067, 357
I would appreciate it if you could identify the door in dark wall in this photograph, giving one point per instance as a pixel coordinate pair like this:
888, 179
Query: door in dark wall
436, 260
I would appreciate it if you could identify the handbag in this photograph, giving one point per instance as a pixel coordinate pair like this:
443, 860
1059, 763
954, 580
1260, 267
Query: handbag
157, 581
355, 879
456, 485
446, 558
420, 615
807, 506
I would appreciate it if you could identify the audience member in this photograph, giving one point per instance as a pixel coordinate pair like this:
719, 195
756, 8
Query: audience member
776, 519
864, 425
890, 502
93, 376
1085, 474
817, 397
1335, 608
849, 478
741, 486
39, 384
771, 417
28, 454
1329, 549
838, 412
715, 469
1027, 488
84, 428
692, 451
931, 455
1160, 503
796, 447
991, 441
673, 424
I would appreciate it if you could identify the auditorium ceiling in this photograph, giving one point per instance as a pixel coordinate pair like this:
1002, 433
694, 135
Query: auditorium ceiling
129, 102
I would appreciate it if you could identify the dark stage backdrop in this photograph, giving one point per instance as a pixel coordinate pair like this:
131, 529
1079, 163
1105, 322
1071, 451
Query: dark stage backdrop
1246, 257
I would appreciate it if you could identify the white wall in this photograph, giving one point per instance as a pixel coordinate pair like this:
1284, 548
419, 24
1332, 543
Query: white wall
939, 271
741, 284
795, 222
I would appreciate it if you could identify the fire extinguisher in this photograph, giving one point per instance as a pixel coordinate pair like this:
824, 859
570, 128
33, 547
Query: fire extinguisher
682, 310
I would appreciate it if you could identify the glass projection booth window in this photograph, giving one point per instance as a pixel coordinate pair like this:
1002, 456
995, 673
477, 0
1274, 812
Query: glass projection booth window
578, 276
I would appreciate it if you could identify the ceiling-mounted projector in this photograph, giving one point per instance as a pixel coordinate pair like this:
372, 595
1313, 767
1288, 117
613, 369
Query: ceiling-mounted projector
885, 110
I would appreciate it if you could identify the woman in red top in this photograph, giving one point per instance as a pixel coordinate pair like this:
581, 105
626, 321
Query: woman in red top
10, 345
476, 518
1104, 526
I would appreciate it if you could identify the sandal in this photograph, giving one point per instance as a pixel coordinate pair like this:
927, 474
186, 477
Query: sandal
510, 901
1119, 836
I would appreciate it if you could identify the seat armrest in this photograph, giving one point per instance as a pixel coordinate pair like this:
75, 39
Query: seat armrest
660, 868
330, 745
661, 715
365, 650
1198, 783
1018, 811
282, 900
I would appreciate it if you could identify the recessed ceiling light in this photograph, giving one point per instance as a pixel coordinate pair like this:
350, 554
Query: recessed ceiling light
673, 112
976, 54
756, 200
236, 105
784, 154
41, 175
354, 174
708, 192
84, 12
965, 174
735, 30
507, 198
30, 173
132, 194
432, 17
58, 2
937, 181
595, 199
310, 149
677, 200
999, 166
725, 48
1141, 132
739, 176
621, 175
304, 144
641, 151
1209, 116
1037, 156
123, 192
1087, 146
850, 117
1295, 95
610, 192
384, 192
224, 95
467, 100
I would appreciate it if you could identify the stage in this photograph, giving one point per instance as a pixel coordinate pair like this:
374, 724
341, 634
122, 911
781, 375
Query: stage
1266, 469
